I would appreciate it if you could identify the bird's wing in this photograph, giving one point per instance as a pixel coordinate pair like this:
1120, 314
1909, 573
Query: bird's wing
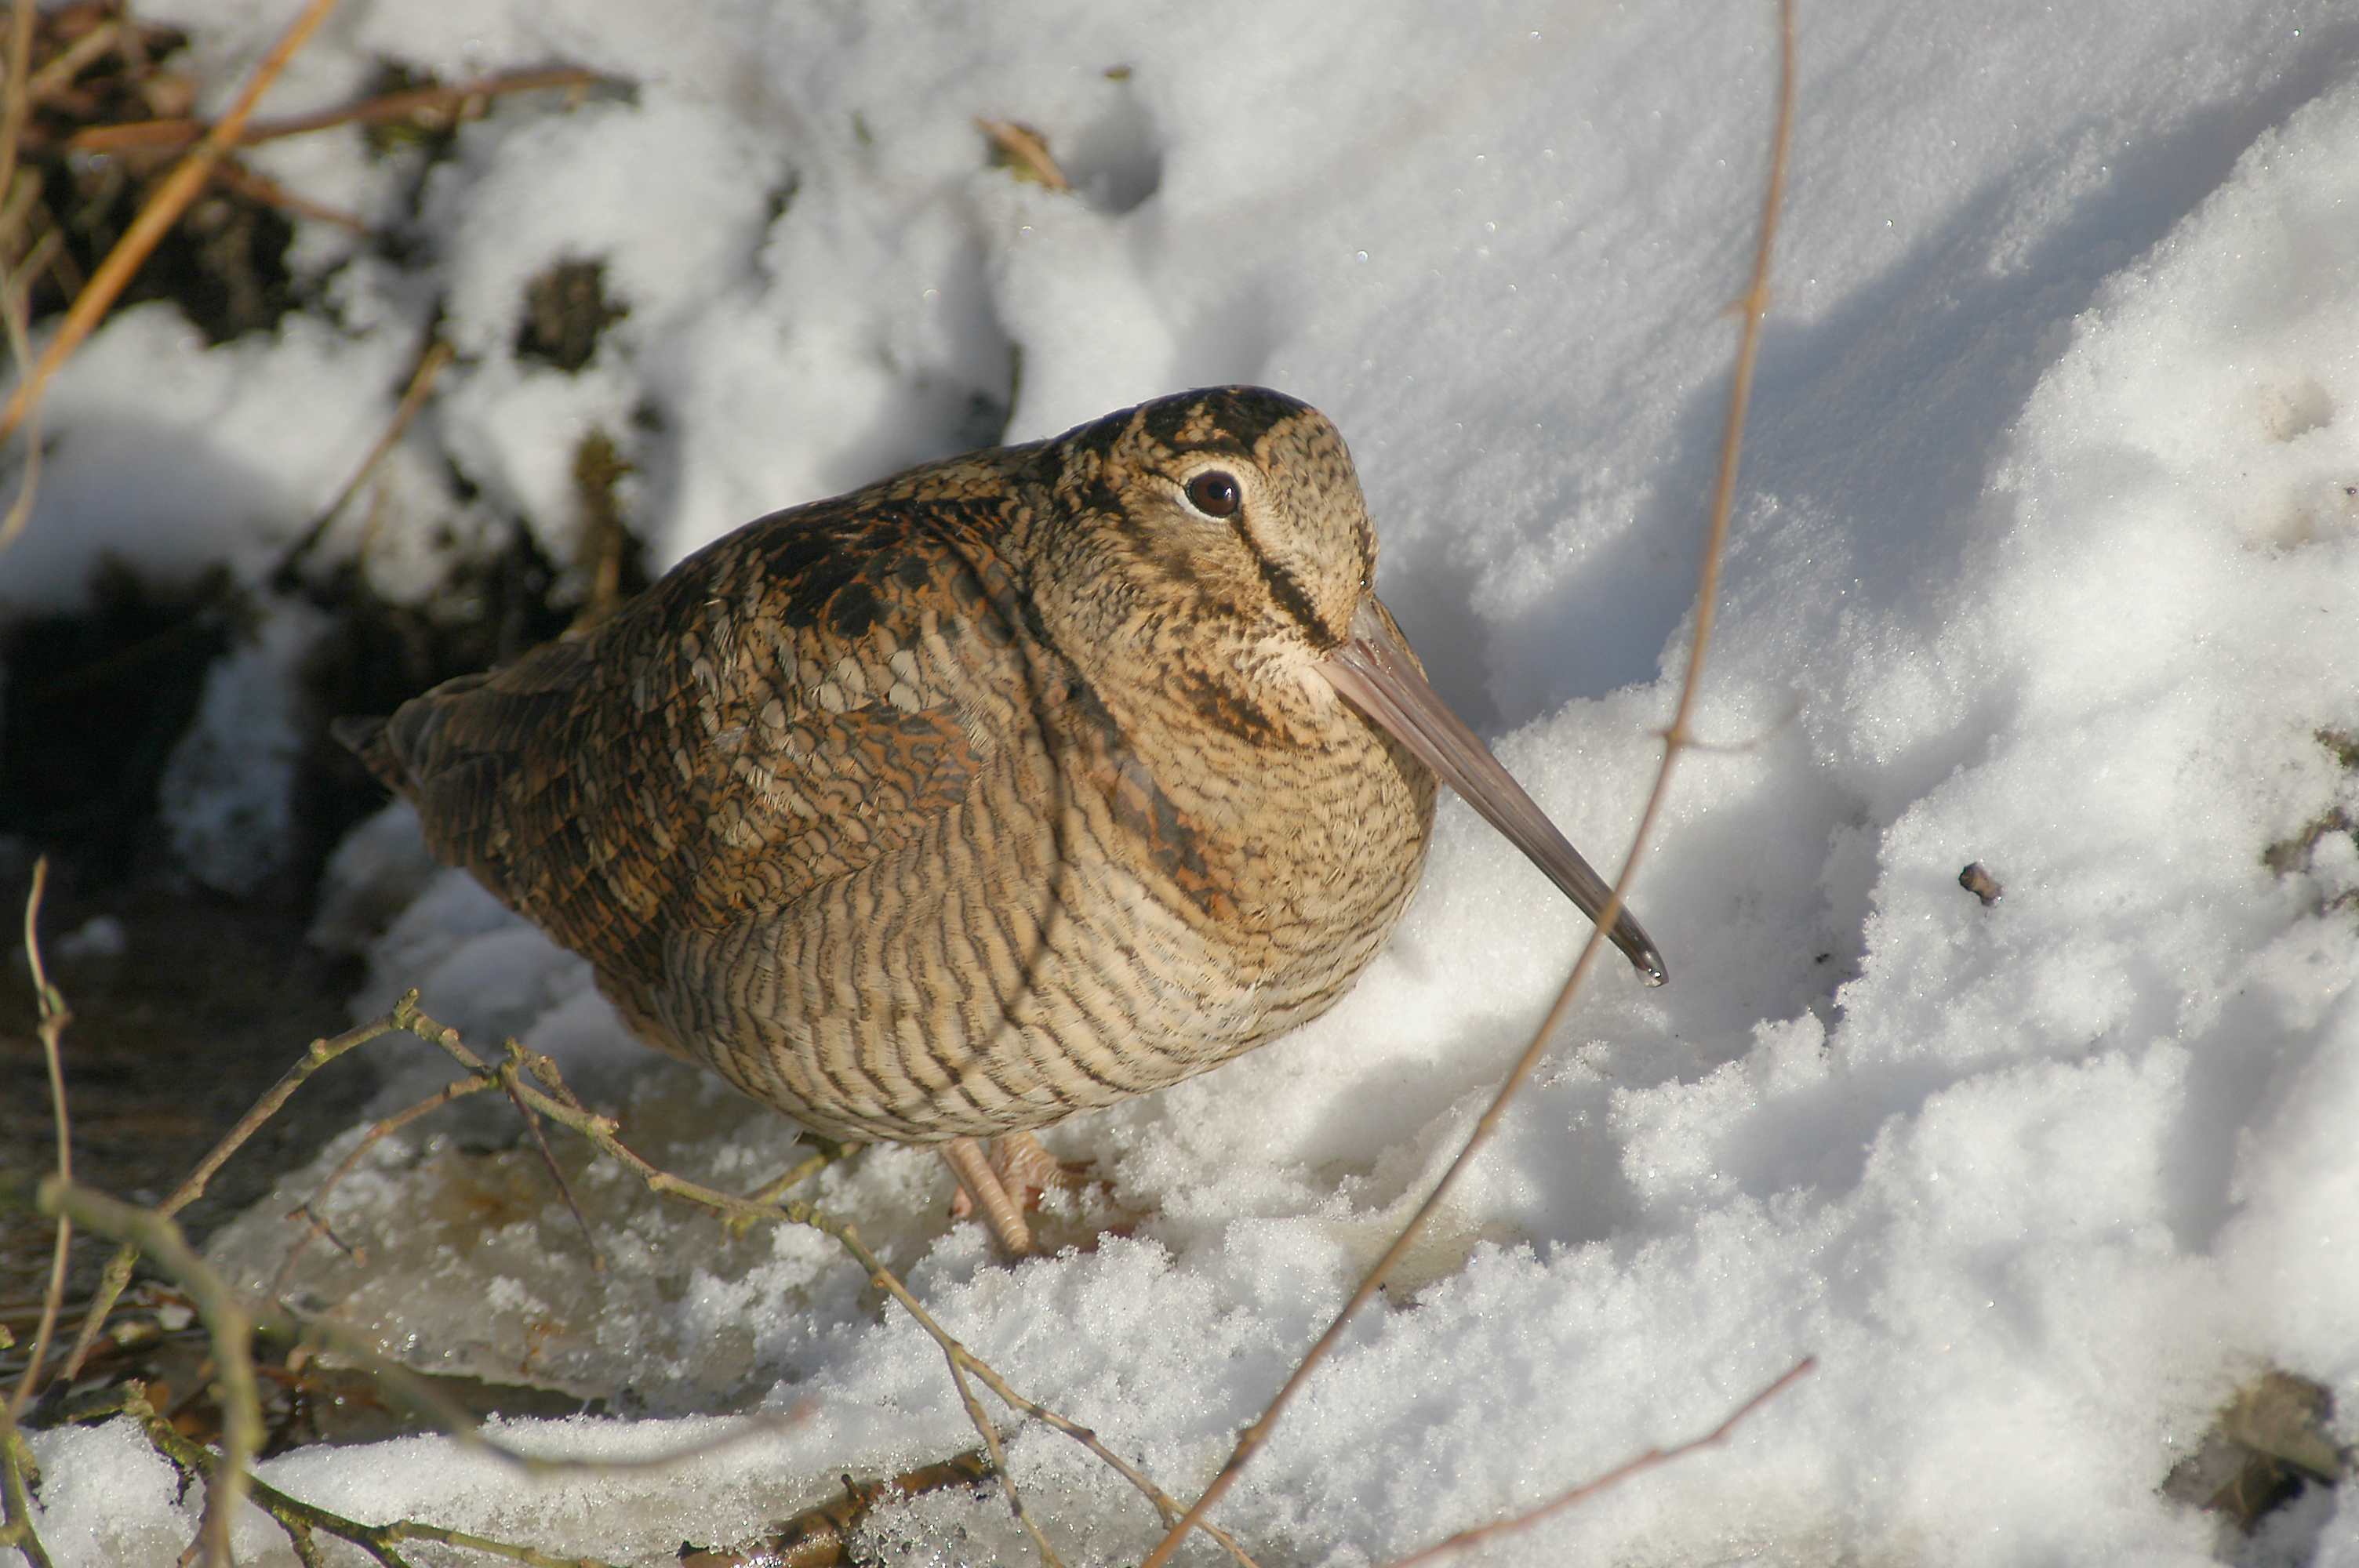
799, 698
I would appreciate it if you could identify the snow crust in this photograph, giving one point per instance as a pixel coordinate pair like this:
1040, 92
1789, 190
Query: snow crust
2045, 559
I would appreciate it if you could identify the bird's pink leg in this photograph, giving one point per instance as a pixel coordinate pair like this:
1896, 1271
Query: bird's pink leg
981, 1185
1002, 1178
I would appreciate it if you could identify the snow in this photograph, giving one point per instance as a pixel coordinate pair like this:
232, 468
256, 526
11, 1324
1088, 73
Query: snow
2043, 559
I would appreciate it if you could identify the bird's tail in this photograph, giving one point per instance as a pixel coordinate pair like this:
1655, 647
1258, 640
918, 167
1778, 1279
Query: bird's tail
367, 739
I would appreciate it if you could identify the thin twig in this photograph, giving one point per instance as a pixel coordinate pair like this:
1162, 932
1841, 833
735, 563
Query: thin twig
309, 1209
413, 398
560, 1105
980, 1419
167, 135
321, 1053
55, 1015
1164, 1504
298, 1519
830, 1151
261, 189
162, 210
13, 291
20, 99
419, 1394
23, 196
69, 63
1754, 305
556, 1173
1613, 1477
226, 1325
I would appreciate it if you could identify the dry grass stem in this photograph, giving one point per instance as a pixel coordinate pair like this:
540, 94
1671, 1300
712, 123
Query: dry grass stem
162, 210
54, 1016
413, 398
1613, 1477
1754, 305
59, 73
22, 195
21, 18
13, 289
1023, 150
423, 102
261, 188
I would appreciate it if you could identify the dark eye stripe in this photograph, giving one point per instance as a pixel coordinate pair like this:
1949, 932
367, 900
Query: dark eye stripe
1288, 594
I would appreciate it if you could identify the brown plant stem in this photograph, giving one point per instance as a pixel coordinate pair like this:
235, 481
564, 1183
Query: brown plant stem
54, 1017
300, 1518
118, 1269
167, 135
1754, 305
413, 398
228, 1327
20, 98
1613, 1477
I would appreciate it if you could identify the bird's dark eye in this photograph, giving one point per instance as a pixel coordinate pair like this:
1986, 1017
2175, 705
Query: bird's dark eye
1213, 493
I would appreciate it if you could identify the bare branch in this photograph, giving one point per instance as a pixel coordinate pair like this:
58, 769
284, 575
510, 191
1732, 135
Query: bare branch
560, 1105
1613, 1477
227, 1325
421, 386
309, 1210
321, 1053
300, 1518
548, 1158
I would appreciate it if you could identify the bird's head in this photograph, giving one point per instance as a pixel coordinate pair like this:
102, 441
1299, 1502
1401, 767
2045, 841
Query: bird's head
1224, 531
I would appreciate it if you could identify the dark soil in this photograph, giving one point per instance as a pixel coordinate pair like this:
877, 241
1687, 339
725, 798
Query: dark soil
210, 1002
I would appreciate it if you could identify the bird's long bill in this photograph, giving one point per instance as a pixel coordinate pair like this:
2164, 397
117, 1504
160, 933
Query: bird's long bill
1374, 669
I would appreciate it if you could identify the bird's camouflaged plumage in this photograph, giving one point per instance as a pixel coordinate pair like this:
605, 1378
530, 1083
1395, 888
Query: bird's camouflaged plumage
995, 792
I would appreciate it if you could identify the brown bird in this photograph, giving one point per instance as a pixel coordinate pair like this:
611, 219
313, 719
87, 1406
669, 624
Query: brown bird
1009, 787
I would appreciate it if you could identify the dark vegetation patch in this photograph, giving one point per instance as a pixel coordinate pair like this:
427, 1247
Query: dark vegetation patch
565, 313
224, 263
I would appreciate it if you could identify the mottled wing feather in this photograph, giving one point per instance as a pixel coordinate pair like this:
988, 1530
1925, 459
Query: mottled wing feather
798, 699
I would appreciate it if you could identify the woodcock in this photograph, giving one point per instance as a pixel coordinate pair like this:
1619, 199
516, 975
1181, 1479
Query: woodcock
1008, 787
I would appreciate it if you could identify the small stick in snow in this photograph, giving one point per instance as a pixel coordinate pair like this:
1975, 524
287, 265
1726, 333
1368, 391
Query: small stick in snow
1613, 1477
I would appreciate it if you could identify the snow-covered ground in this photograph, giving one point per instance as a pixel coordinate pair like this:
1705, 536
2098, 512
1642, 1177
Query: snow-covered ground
2045, 558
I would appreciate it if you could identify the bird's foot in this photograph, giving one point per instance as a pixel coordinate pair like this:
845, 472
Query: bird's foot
1002, 1180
